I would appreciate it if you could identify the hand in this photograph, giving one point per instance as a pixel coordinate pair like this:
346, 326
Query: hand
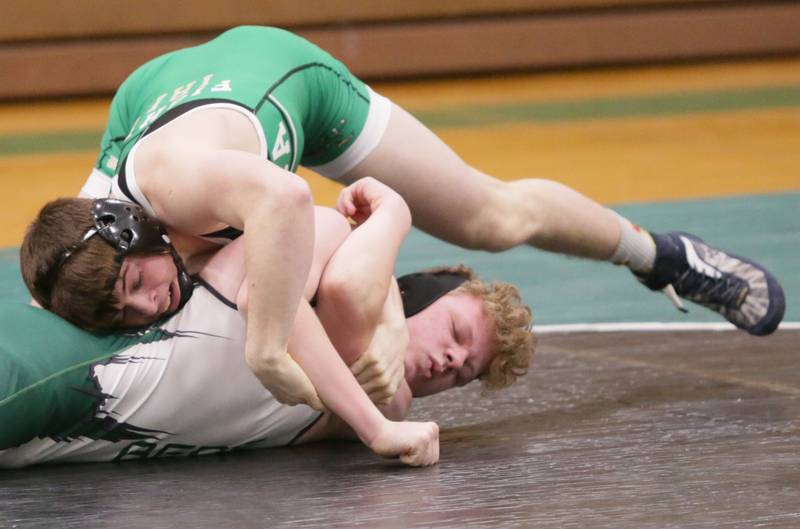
287, 382
360, 199
380, 369
415, 443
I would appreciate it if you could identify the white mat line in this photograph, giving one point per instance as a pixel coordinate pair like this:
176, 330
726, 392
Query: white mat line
645, 327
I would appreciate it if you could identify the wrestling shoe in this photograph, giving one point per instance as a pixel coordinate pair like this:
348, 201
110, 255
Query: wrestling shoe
744, 292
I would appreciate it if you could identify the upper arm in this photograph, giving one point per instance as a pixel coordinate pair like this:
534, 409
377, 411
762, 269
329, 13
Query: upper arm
354, 287
200, 190
330, 230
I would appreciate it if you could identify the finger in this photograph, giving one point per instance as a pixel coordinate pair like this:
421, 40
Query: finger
382, 382
315, 402
410, 458
379, 383
346, 201
436, 448
360, 217
348, 206
432, 455
381, 387
380, 397
396, 376
368, 375
364, 361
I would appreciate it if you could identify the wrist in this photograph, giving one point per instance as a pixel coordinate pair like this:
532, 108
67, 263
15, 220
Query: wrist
370, 434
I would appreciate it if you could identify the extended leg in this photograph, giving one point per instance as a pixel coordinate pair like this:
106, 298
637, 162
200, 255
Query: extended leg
456, 202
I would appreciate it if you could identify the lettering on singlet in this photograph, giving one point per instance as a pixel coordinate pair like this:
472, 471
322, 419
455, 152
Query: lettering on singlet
153, 114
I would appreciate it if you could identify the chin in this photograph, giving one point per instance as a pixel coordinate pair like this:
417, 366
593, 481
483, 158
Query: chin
420, 390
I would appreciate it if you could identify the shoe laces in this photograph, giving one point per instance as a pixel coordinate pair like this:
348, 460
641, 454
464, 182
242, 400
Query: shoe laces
727, 290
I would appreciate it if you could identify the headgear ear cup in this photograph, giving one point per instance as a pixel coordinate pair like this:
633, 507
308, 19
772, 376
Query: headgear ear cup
127, 228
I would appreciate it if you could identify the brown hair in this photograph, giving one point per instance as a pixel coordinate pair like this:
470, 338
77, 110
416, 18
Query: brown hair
514, 339
80, 289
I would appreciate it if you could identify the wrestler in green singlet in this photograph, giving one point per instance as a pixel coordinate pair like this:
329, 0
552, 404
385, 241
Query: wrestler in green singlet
310, 107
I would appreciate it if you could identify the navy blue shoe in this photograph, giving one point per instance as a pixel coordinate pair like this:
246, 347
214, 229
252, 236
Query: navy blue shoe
744, 292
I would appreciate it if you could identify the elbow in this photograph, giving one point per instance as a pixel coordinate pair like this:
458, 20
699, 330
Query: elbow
260, 363
256, 363
291, 193
298, 193
278, 193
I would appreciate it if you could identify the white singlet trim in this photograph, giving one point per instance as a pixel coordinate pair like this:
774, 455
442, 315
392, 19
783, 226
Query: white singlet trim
647, 327
288, 118
380, 108
130, 174
98, 185
133, 185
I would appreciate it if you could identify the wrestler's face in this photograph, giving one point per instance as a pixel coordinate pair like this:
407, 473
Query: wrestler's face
451, 342
147, 289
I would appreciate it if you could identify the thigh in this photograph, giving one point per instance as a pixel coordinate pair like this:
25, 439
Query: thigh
447, 197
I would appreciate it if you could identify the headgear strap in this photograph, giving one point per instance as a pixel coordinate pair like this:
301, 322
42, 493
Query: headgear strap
125, 227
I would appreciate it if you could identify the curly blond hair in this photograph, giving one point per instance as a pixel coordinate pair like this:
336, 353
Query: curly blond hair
514, 339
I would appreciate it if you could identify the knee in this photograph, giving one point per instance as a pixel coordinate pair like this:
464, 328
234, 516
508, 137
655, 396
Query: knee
506, 219
496, 234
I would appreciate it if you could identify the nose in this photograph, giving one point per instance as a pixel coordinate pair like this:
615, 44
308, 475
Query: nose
144, 302
455, 357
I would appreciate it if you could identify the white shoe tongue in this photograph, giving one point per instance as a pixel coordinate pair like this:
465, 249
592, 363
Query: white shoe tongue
669, 291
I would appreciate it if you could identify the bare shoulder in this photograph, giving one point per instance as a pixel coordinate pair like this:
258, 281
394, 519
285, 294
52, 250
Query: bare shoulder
225, 270
175, 144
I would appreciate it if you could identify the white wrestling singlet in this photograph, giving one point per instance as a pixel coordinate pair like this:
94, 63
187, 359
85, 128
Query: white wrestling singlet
186, 391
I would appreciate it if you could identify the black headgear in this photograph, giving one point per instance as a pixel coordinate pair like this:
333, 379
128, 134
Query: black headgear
126, 227
421, 289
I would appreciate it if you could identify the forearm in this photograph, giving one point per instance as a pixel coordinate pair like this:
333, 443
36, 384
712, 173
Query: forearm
354, 286
278, 254
332, 427
335, 384
365, 260
196, 191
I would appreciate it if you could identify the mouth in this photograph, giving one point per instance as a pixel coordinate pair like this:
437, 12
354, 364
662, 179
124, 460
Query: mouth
173, 297
428, 370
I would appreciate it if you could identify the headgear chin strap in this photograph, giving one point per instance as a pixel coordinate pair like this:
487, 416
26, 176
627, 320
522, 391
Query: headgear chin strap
126, 227
421, 289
